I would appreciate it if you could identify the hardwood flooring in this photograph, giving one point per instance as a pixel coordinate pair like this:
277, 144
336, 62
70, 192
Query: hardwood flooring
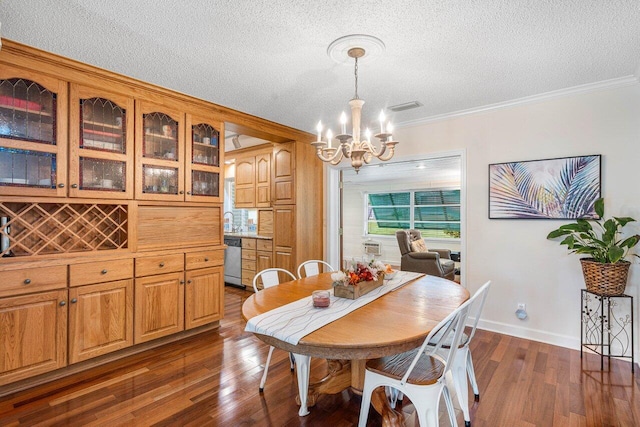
212, 380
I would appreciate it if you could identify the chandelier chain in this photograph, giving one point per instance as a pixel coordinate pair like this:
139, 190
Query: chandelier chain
356, 74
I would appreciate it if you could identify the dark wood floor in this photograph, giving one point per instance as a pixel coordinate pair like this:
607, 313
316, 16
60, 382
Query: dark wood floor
212, 380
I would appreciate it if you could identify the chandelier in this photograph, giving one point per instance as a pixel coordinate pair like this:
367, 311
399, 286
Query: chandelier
352, 146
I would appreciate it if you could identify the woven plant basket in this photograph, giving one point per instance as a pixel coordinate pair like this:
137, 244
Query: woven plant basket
605, 279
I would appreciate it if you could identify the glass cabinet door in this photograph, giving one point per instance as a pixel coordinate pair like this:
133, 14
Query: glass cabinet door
204, 155
101, 144
159, 152
32, 134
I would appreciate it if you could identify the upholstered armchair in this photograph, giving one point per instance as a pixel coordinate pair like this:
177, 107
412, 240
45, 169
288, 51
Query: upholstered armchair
436, 262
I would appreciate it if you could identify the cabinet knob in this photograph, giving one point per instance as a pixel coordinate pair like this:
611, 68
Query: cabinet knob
74, 185
189, 192
161, 264
63, 303
104, 271
206, 260
74, 300
180, 192
61, 185
188, 281
182, 282
27, 281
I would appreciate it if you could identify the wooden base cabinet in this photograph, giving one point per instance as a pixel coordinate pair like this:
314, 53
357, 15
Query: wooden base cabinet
100, 319
33, 335
159, 306
203, 296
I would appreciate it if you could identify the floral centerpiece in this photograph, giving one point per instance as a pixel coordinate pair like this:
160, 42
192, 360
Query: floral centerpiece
358, 279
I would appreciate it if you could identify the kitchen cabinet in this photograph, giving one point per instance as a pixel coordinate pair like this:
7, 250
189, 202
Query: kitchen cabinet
248, 256
203, 158
264, 254
245, 182
33, 334
283, 175
253, 179
284, 239
159, 306
101, 148
33, 133
160, 152
100, 319
203, 296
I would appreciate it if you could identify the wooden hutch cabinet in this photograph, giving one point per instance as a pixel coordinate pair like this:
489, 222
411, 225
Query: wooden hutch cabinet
111, 235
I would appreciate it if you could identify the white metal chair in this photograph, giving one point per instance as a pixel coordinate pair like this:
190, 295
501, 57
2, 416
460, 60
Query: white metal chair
463, 364
269, 278
312, 267
420, 374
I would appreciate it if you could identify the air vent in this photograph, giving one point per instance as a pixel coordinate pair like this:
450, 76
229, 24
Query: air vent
405, 106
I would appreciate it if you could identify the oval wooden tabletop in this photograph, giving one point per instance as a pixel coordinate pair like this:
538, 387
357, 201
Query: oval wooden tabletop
396, 322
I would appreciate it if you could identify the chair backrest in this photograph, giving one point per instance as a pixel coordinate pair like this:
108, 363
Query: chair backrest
452, 324
405, 237
312, 267
269, 277
476, 306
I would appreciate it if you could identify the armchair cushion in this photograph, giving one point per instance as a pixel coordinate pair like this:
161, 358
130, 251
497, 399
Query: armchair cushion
418, 246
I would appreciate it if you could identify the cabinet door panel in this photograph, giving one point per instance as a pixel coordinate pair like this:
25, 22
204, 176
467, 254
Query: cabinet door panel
159, 306
101, 146
245, 183
100, 319
203, 296
33, 335
33, 133
263, 180
285, 228
283, 167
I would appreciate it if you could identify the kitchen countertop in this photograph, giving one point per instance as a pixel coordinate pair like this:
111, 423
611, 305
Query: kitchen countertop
249, 235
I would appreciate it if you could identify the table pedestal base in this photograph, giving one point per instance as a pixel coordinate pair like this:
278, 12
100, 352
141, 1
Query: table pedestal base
341, 375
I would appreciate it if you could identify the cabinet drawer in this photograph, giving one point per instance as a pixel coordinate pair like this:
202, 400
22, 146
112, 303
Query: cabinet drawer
249, 265
248, 254
247, 278
100, 271
33, 280
205, 259
265, 245
248, 243
148, 266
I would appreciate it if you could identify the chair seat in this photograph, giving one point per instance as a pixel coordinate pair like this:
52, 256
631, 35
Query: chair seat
427, 371
447, 341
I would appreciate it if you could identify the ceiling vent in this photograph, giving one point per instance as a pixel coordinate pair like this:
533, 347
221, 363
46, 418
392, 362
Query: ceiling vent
405, 106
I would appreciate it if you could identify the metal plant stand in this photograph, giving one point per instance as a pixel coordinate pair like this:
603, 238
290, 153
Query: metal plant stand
606, 326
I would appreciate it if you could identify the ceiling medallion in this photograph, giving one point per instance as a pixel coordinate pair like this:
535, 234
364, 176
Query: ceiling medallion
350, 146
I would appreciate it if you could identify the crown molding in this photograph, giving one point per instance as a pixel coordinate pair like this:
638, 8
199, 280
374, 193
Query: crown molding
575, 90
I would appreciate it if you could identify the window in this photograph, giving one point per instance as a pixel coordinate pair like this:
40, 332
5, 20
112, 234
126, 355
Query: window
435, 212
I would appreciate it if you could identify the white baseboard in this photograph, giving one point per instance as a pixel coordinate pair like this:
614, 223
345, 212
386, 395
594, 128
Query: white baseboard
531, 334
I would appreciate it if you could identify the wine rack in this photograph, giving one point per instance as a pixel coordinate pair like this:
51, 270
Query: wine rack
31, 229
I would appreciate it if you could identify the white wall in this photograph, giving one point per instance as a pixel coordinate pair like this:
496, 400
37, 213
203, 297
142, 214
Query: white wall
514, 254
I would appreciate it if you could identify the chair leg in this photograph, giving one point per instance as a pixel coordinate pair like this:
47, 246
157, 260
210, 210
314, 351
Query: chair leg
303, 368
292, 361
449, 403
472, 377
266, 370
367, 390
458, 375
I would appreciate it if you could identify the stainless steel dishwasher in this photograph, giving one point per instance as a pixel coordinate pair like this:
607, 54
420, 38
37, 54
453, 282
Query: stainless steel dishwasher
233, 261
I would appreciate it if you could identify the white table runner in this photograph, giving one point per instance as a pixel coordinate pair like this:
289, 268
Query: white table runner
293, 321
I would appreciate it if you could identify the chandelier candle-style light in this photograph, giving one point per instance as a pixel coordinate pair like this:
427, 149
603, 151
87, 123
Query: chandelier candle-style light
351, 146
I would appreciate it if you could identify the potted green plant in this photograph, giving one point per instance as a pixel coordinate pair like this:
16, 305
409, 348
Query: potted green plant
605, 269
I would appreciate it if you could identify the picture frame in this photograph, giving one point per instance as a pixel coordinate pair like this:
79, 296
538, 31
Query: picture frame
558, 188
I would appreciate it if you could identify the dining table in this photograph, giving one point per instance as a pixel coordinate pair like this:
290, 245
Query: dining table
396, 322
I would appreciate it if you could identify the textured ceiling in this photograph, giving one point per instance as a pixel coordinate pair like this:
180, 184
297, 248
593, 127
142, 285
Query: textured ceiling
268, 58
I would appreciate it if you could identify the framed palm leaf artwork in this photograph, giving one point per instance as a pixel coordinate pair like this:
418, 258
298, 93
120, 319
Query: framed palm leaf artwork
563, 188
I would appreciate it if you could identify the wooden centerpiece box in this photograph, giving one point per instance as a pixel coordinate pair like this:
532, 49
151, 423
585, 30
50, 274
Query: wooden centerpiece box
359, 289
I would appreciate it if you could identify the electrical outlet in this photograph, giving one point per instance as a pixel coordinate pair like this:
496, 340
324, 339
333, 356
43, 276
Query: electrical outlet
522, 307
